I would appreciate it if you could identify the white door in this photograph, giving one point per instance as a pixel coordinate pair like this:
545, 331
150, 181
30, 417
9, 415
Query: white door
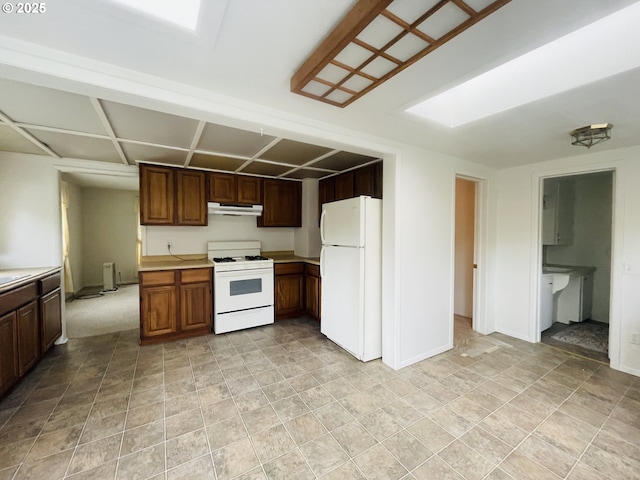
342, 222
342, 272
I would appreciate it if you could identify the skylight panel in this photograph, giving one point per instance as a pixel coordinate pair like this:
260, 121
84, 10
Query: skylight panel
604, 48
180, 12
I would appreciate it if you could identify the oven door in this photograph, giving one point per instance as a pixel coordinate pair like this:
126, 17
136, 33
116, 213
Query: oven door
242, 289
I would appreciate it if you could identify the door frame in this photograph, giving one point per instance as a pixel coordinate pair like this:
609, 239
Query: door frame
480, 321
617, 204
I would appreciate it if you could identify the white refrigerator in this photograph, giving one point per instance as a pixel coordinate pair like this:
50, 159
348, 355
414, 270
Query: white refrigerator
351, 271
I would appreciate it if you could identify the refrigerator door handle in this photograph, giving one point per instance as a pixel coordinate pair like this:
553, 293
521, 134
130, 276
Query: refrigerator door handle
322, 225
321, 262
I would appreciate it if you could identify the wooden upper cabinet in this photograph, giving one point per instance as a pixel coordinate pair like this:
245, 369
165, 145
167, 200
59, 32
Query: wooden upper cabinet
364, 181
191, 200
249, 190
377, 180
157, 195
282, 203
235, 189
344, 185
171, 196
223, 188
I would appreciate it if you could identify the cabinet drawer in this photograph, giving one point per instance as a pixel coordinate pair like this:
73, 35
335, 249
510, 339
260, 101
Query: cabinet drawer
17, 297
288, 268
49, 284
195, 275
313, 270
163, 277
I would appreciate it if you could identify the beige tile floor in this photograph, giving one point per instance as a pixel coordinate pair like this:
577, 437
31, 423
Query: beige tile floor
282, 402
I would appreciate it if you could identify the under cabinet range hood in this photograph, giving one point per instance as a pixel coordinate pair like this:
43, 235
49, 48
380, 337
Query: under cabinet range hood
229, 209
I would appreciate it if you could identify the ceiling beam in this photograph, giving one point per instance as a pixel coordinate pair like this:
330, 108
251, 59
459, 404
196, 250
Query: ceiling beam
194, 142
28, 136
107, 125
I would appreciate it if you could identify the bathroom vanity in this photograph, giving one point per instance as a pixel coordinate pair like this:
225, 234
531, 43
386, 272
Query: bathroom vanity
573, 302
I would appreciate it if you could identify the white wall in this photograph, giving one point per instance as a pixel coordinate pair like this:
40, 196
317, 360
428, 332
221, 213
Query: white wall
193, 240
307, 238
109, 228
30, 235
519, 254
419, 208
74, 214
591, 236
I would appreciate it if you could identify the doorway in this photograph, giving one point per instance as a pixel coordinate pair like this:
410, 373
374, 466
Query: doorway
577, 233
465, 254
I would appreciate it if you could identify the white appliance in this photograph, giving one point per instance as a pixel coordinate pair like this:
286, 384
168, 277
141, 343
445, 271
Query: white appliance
351, 271
235, 210
109, 277
242, 286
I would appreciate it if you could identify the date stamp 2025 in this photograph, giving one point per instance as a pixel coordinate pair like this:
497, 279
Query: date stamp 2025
24, 8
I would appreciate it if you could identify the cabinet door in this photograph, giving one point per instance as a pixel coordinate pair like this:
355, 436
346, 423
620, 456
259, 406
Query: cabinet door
28, 337
222, 188
281, 201
344, 186
157, 195
8, 351
158, 312
50, 318
195, 306
364, 181
192, 199
249, 190
326, 193
289, 289
377, 180
312, 292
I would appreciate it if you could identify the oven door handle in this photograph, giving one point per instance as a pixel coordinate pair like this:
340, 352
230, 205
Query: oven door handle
243, 273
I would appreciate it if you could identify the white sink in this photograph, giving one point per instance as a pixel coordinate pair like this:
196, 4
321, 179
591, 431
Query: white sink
551, 269
11, 278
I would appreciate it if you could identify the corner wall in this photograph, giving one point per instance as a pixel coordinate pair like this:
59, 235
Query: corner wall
30, 215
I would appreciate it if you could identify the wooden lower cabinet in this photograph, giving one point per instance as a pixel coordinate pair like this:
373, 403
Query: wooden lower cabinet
8, 351
28, 337
289, 289
30, 323
297, 290
312, 290
175, 304
159, 312
50, 318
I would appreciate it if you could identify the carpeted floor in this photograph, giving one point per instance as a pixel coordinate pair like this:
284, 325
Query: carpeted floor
112, 312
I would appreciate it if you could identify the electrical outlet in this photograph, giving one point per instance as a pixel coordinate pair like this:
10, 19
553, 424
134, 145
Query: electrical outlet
168, 243
635, 338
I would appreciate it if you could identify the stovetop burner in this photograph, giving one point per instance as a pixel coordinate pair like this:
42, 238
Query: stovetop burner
224, 259
255, 257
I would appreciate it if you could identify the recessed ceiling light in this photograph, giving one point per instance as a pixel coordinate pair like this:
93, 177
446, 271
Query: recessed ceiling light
604, 48
181, 12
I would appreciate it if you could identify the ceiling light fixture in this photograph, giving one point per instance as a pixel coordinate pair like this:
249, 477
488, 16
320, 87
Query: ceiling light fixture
378, 39
591, 134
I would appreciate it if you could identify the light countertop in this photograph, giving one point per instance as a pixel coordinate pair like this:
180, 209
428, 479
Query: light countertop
167, 262
289, 257
26, 275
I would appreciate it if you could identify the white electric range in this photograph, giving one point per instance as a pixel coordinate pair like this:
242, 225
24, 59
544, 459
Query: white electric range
242, 285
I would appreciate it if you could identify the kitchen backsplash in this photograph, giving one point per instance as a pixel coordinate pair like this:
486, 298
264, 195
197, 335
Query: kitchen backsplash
192, 240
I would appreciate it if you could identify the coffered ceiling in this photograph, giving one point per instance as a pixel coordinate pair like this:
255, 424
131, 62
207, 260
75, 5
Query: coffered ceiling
97, 81
44, 121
